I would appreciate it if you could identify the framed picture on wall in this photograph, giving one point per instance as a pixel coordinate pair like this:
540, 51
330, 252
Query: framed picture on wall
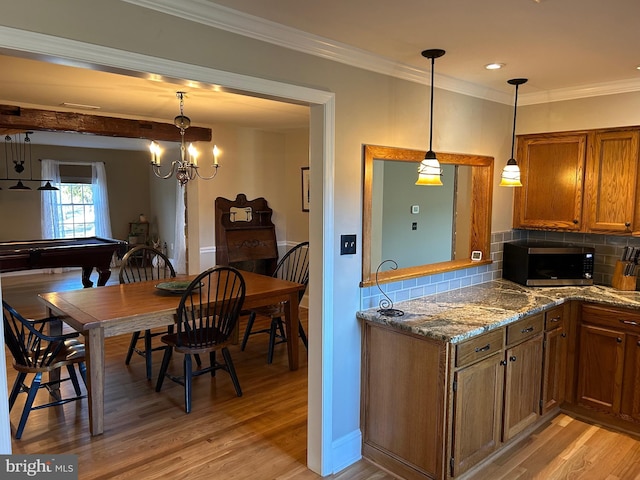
305, 188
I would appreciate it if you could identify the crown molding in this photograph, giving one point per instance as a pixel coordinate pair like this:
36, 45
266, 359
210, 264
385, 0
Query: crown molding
223, 18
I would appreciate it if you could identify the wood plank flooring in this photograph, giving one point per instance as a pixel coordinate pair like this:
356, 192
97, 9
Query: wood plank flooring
261, 435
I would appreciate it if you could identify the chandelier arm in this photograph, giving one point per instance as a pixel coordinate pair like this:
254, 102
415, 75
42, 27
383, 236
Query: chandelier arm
156, 170
215, 172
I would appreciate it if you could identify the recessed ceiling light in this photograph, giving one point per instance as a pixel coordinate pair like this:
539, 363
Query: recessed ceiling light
494, 66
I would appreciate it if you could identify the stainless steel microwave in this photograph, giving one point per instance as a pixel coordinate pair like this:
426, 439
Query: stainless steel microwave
546, 264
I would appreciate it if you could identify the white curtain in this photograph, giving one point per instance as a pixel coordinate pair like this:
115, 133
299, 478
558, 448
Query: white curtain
100, 200
51, 218
180, 251
51, 221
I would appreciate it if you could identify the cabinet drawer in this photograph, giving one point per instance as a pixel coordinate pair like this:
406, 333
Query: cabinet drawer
525, 328
553, 318
479, 347
611, 317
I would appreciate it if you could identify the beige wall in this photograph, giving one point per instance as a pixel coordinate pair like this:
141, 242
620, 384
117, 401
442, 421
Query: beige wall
127, 183
597, 112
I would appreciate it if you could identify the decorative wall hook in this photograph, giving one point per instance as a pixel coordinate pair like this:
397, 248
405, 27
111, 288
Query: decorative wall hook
386, 304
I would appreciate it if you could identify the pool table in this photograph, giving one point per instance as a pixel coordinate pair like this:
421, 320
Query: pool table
88, 253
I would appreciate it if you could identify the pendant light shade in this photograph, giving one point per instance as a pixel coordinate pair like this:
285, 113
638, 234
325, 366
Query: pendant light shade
511, 172
429, 171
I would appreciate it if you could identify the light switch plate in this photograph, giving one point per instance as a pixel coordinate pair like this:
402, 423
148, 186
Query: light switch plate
347, 244
415, 209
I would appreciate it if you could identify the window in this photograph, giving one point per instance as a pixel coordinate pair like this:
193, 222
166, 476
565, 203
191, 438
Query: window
78, 214
81, 207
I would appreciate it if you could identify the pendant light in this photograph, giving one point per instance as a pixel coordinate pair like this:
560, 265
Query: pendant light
511, 172
429, 171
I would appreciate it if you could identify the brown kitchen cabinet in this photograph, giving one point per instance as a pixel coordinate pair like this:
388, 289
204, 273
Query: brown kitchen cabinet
579, 181
403, 402
554, 362
523, 375
552, 173
478, 386
496, 397
611, 182
608, 361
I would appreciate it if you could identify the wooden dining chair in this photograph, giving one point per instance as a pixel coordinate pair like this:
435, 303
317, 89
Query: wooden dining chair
294, 267
140, 264
205, 319
35, 352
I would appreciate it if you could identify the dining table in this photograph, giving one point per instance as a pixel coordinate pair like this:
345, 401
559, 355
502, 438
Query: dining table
99, 313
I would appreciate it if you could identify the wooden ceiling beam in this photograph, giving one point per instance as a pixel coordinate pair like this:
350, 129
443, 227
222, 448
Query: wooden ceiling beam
15, 118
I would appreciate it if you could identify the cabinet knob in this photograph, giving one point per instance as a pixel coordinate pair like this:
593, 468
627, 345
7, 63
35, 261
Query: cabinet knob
575, 221
627, 224
512, 358
504, 362
564, 335
619, 340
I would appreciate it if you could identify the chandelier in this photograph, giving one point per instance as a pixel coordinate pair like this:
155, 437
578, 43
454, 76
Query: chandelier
19, 152
186, 167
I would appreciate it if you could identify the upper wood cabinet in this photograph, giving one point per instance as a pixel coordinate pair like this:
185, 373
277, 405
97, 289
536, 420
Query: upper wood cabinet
611, 181
552, 171
579, 181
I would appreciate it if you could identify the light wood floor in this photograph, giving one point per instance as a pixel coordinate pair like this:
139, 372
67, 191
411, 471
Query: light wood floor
261, 435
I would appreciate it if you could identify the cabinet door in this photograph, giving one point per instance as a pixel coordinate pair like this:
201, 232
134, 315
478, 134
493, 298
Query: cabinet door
522, 386
552, 173
600, 368
610, 181
477, 412
553, 369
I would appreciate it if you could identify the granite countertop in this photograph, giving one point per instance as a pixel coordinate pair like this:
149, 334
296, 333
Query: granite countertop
461, 314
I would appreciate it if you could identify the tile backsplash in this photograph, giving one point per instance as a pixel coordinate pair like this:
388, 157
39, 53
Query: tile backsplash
608, 249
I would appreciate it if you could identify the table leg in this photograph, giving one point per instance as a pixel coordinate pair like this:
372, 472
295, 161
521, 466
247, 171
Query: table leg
291, 320
86, 277
103, 276
54, 330
94, 353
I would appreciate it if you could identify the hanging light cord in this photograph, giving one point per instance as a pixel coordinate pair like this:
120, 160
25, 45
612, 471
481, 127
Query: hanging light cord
513, 133
433, 61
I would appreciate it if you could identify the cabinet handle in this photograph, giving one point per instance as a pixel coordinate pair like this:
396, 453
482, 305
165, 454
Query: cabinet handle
619, 340
527, 330
483, 349
555, 319
512, 358
504, 362
628, 322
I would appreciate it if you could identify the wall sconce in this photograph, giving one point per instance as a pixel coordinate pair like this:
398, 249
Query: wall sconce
511, 172
429, 171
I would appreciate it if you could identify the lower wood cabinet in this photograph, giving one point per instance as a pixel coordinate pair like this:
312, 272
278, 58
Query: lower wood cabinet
554, 363
432, 410
477, 412
403, 402
523, 378
609, 362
